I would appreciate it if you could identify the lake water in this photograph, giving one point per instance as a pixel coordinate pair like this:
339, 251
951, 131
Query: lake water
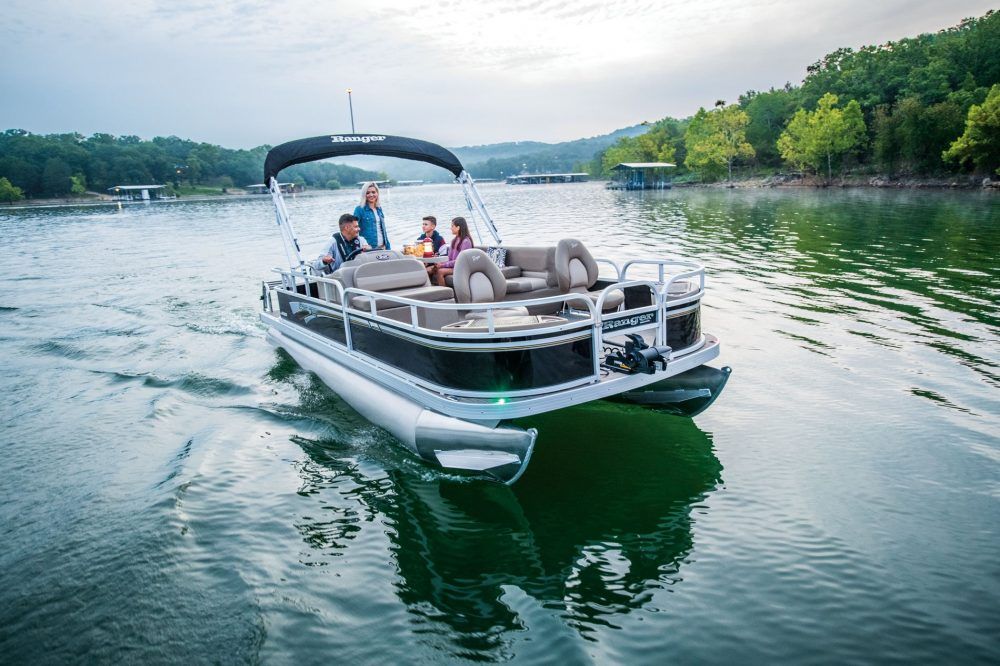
173, 490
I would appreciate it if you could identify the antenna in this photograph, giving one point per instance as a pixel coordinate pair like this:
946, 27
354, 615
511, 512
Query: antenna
351, 106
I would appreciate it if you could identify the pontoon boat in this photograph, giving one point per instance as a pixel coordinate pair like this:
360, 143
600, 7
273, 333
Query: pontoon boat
517, 332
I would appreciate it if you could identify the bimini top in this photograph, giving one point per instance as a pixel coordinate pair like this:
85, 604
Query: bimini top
321, 147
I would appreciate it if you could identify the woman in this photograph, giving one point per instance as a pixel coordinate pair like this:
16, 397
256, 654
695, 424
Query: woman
462, 241
371, 219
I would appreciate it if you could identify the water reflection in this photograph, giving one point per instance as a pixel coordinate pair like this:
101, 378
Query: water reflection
890, 268
596, 525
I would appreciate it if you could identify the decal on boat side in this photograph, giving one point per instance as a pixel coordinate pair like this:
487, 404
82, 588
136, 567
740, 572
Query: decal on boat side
627, 322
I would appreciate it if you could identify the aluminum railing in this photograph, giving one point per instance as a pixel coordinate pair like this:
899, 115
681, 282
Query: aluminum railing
341, 297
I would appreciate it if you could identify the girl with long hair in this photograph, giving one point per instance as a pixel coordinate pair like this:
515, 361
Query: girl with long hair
460, 242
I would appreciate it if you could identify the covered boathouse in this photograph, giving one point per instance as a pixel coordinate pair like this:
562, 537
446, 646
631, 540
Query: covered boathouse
137, 192
641, 176
544, 178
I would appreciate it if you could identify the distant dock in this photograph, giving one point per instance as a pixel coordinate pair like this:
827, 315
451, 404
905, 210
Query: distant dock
545, 178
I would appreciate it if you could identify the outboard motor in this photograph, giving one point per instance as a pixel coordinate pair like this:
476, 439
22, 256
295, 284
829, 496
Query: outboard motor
637, 356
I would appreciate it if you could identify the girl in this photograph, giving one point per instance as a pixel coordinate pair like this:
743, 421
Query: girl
462, 241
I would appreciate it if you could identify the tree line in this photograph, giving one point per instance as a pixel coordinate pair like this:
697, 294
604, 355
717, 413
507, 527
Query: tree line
927, 106
60, 165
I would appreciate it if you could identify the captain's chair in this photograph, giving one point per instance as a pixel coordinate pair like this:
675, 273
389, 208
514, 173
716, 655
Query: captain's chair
479, 280
577, 272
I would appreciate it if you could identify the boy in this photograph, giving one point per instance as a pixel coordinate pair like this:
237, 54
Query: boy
429, 225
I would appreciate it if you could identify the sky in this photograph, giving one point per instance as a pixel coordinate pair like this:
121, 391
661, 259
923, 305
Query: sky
458, 73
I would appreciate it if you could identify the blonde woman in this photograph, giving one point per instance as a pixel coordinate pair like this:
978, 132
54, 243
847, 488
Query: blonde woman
370, 217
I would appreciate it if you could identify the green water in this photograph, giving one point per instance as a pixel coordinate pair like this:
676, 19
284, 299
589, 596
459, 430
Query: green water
172, 489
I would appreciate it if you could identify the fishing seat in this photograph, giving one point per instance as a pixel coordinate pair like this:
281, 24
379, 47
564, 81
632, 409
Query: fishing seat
479, 280
577, 272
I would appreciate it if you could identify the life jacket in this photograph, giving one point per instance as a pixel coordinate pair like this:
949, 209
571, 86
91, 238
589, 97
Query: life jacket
345, 246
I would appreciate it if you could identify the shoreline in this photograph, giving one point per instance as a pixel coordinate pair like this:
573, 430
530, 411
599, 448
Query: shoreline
965, 183
969, 183
104, 200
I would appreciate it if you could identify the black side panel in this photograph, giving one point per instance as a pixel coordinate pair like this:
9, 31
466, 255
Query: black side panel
315, 318
637, 296
684, 330
488, 370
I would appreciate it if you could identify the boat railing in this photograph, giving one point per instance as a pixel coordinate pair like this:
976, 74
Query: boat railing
618, 272
590, 310
343, 295
666, 280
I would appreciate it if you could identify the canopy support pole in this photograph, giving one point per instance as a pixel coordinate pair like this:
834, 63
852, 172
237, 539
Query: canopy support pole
474, 200
288, 239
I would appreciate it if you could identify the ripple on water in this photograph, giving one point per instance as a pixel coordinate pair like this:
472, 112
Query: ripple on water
255, 517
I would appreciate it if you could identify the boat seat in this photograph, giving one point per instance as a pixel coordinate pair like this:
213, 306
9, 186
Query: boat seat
522, 285
345, 274
479, 280
577, 272
405, 278
508, 272
681, 288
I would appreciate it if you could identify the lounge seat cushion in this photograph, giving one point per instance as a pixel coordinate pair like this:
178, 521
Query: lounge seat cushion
390, 274
507, 271
611, 302
425, 293
523, 285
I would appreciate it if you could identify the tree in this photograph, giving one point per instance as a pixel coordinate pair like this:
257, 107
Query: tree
980, 143
8, 192
813, 137
913, 136
769, 113
716, 138
79, 185
56, 177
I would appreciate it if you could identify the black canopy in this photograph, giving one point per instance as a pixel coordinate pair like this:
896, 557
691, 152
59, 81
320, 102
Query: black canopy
321, 147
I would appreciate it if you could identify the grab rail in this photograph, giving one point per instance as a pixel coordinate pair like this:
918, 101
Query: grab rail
595, 318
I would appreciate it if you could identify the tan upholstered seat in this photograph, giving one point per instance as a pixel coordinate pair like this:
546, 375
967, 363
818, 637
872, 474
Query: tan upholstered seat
479, 280
398, 277
577, 272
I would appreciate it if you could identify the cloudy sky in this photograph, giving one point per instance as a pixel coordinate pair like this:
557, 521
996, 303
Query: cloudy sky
454, 72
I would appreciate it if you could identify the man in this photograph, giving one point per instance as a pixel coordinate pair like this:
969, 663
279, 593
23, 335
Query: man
429, 225
346, 244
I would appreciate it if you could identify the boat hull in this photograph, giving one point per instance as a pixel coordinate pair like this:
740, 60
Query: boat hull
687, 394
501, 452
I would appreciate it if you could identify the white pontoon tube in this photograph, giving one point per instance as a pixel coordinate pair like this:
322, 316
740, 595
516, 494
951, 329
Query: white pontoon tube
502, 452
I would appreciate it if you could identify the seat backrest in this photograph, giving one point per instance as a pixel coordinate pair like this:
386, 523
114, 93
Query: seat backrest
390, 274
478, 279
575, 266
537, 262
346, 271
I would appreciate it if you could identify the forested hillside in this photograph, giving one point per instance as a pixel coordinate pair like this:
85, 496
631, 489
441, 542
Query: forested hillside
57, 165
921, 106
927, 105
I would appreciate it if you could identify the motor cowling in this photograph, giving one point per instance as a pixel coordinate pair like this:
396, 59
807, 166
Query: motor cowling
637, 356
